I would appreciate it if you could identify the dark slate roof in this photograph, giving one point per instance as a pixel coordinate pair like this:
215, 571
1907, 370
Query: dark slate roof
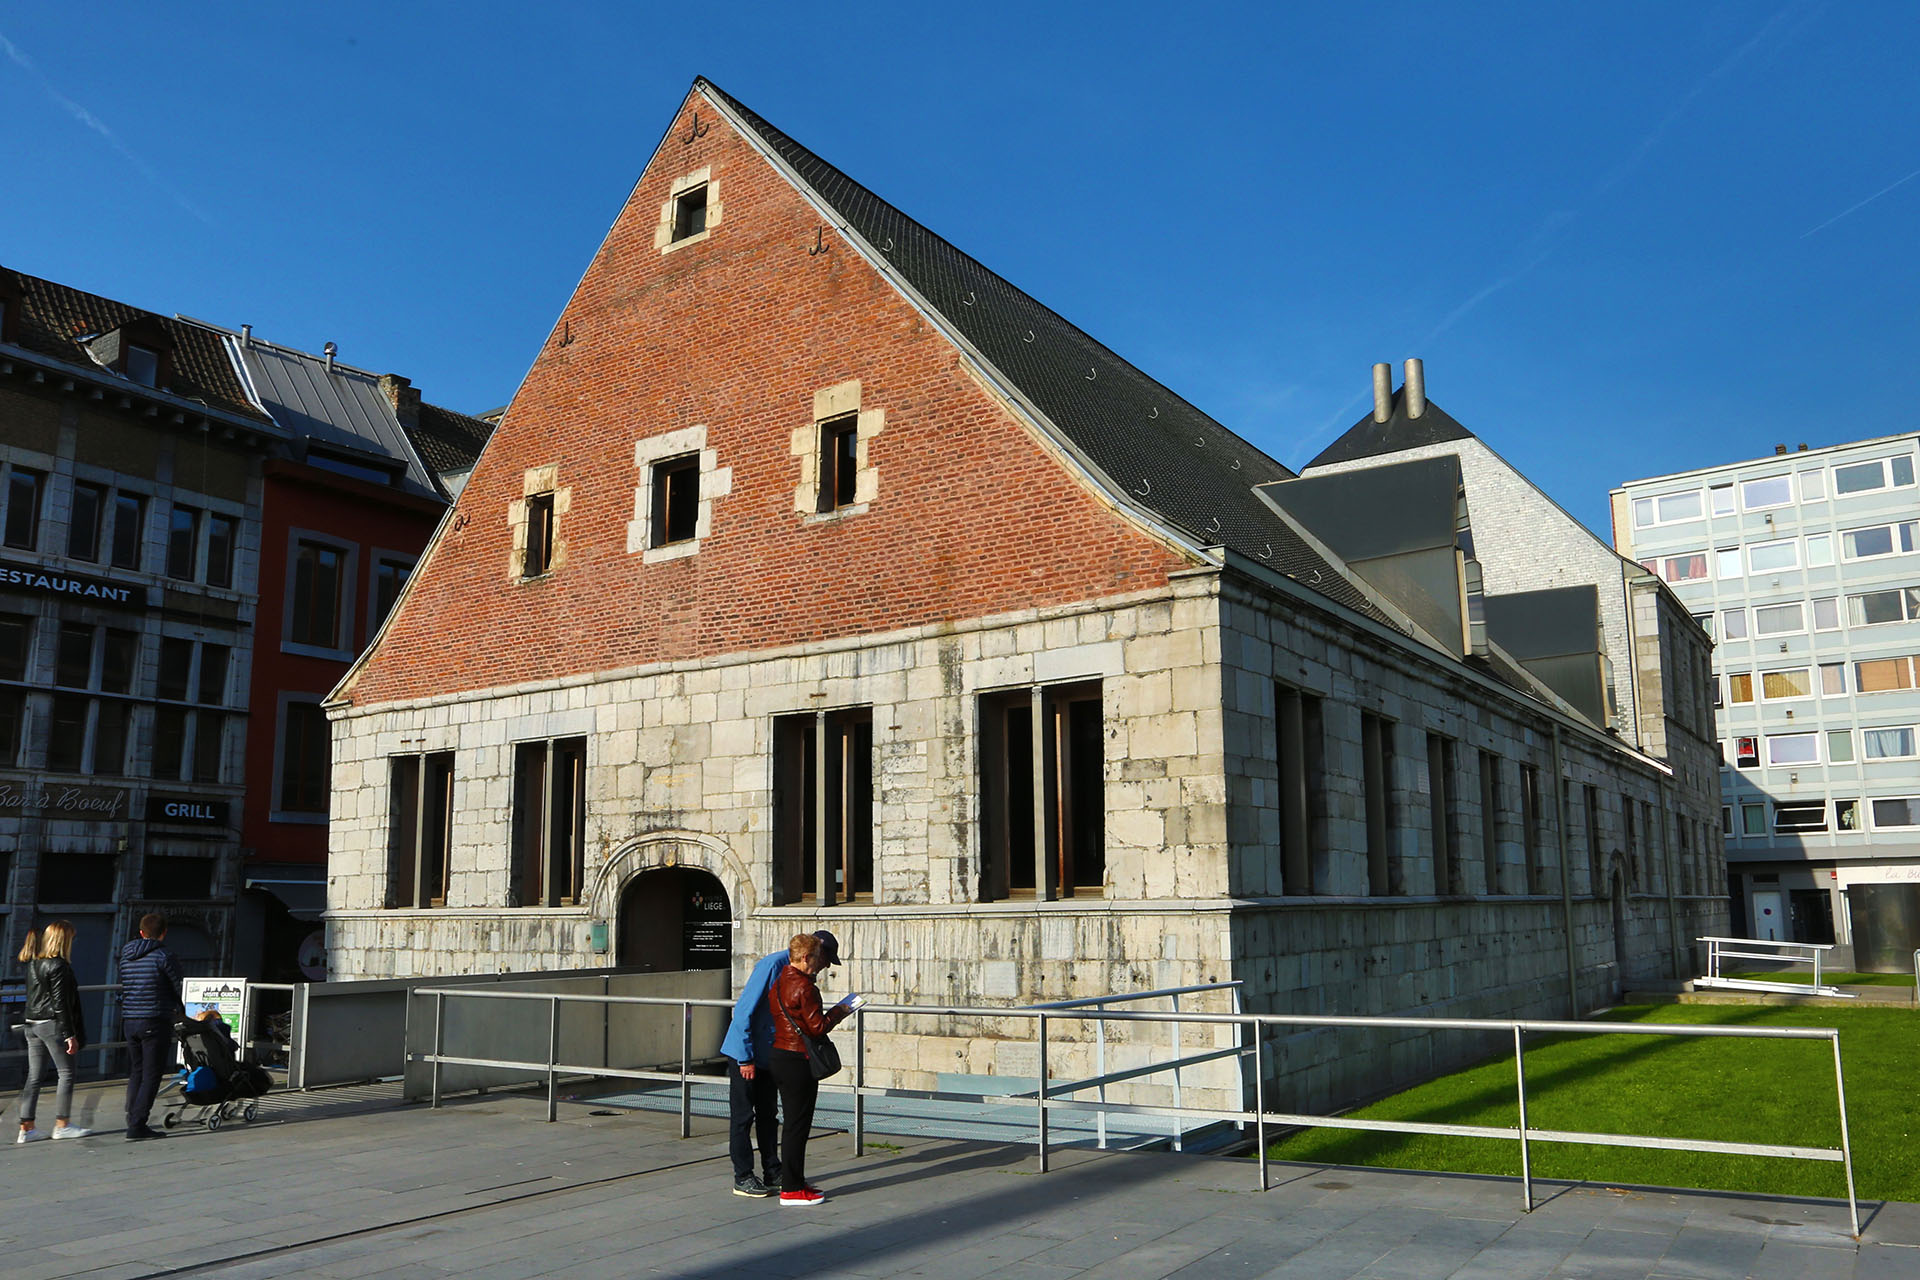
448, 441
1174, 459
1370, 439
54, 319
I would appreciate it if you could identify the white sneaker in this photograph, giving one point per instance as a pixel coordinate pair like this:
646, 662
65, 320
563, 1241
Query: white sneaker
29, 1135
69, 1131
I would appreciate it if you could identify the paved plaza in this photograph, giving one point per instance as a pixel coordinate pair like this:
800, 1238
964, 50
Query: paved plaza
350, 1183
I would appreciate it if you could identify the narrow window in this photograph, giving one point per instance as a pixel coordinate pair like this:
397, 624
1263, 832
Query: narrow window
209, 742
1057, 791
1596, 870
1300, 742
109, 754
549, 822
690, 213
67, 741
211, 688
539, 536
419, 827
839, 460
1840, 746
117, 658
389, 577
183, 543
73, 658
220, 536
13, 718
1489, 818
304, 759
823, 819
676, 500
16, 635
1530, 823
1376, 757
129, 529
1440, 812
23, 508
317, 573
169, 742
176, 669
83, 525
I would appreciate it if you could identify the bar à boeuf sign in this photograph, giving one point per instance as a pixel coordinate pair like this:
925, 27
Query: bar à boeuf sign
78, 587
57, 800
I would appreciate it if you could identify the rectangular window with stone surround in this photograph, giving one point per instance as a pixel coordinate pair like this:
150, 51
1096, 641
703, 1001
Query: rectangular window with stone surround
1489, 819
1300, 756
823, 817
1440, 804
549, 822
419, 829
676, 500
839, 461
1530, 823
539, 557
1042, 769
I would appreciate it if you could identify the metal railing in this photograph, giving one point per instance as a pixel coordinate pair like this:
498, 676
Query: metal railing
1101, 1079
17, 995
1253, 1028
1792, 953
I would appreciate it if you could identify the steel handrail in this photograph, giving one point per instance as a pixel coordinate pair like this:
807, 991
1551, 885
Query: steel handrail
1046, 1097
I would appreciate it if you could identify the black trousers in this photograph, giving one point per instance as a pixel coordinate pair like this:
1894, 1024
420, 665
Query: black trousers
149, 1047
798, 1089
753, 1111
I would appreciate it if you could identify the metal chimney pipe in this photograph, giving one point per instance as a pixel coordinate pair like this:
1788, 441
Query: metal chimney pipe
246, 335
330, 350
1415, 389
1382, 391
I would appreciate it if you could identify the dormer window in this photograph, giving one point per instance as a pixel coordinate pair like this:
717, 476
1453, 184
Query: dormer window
690, 213
143, 365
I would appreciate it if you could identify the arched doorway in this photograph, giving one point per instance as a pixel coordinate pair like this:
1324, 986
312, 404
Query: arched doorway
674, 918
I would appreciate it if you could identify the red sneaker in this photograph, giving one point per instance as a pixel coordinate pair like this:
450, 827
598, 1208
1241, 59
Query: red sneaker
804, 1196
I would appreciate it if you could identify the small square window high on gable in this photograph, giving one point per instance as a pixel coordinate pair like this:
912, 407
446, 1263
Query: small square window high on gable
837, 476
536, 519
690, 211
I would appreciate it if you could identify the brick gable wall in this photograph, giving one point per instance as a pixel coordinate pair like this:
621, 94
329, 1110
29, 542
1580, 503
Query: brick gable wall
972, 516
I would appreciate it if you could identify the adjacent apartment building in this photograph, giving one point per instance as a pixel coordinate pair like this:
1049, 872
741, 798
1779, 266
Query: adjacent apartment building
817, 575
1805, 566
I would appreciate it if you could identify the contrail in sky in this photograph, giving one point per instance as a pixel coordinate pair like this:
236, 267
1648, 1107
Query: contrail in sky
1864, 203
97, 125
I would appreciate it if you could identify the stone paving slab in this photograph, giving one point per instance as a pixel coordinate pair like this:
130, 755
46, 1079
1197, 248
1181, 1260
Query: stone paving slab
351, 1185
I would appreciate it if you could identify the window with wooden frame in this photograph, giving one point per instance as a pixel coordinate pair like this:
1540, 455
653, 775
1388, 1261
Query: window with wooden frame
1376, 761
1300, 756
839, 461
1440, 796
539, 558
823, 816
315, 608
419, 829
689, 213
549, 823
676, 500
1042, 772
305, 759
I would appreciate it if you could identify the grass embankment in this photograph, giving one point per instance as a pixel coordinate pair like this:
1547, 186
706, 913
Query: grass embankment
1832, 979
1715, 1088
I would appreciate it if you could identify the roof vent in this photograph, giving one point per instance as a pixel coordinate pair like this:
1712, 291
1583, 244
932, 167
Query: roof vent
1803, 447
1779, 449
330, 350
1415, 389
246, 335
1382, 391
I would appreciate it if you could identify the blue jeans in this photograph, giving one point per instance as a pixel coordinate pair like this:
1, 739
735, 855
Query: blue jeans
44, 1042
149, 1046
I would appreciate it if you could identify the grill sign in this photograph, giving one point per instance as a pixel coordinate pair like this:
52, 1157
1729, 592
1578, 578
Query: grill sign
15, 576
186, 811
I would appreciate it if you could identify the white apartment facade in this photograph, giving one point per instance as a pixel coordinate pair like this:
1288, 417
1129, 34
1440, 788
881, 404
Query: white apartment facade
1805, 567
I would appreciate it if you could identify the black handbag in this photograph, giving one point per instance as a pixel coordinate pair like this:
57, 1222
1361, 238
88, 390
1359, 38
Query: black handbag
822, 1058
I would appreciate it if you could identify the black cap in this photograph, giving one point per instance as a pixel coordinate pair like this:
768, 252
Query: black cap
829, 947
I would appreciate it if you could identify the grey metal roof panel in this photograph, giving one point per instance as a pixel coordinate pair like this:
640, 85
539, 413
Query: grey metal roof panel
342, 407
1173, 458
1370, 439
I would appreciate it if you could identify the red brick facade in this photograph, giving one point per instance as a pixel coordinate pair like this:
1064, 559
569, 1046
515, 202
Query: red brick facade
973, 516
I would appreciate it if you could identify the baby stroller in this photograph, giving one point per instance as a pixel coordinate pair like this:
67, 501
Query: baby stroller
222, 1087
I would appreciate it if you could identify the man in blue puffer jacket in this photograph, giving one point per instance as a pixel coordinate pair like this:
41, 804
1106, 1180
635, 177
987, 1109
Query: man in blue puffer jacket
149, 1005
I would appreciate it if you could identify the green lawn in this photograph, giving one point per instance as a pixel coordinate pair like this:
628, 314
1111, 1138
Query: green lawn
1832, 979
1715, 1088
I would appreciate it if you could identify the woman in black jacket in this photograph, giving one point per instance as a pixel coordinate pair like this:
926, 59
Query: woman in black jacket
56, 1028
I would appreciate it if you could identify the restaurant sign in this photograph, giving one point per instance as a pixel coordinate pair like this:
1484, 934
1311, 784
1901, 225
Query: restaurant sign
58, 800
185, 810
78, 587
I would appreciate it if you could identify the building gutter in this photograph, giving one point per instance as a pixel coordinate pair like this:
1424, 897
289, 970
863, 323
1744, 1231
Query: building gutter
105, 383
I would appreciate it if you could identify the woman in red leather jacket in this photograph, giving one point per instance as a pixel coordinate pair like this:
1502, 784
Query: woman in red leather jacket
794, 1001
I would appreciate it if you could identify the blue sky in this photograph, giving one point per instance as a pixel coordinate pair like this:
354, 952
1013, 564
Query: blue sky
1626, 238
